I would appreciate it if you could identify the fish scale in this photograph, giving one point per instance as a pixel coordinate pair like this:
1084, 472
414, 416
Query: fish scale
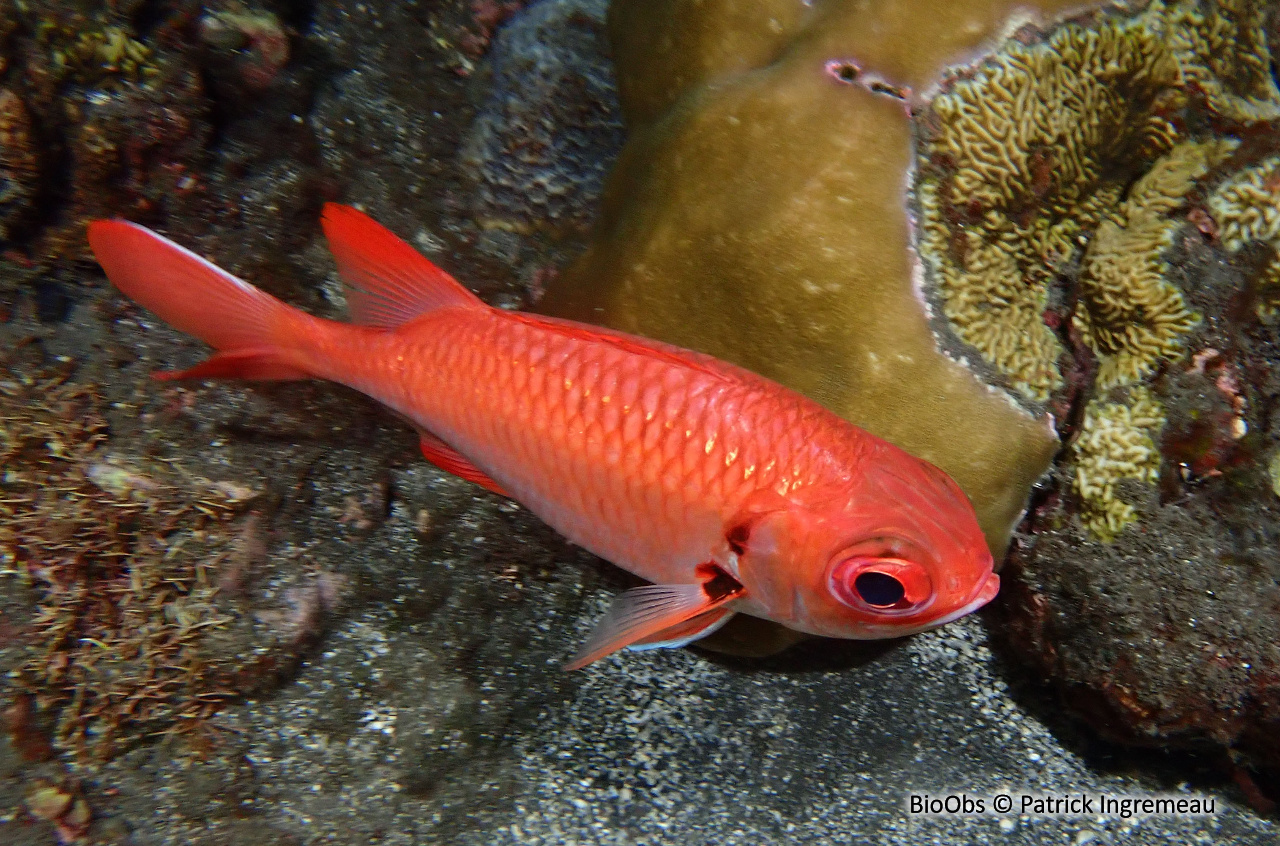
575, 464
730, 492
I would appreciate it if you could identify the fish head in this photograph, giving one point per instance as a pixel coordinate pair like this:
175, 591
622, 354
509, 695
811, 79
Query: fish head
895, 551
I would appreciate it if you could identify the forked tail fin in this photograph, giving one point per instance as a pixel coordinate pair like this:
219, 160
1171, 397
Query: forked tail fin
255, 334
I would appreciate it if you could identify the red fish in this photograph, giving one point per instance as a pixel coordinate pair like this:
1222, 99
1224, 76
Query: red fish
731, 493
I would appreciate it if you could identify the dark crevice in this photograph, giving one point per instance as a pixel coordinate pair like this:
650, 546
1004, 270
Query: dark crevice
297, 14
53, 189
149, 15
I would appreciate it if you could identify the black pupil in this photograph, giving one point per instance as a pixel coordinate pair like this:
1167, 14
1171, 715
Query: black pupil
879, 589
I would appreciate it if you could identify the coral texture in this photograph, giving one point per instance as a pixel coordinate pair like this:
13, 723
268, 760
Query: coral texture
1117, 442
1016, 158
540, 147
1132, 317
1051, 174
1245, 210
761, 219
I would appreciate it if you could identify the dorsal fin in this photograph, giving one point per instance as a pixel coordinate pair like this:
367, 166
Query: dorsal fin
388, 282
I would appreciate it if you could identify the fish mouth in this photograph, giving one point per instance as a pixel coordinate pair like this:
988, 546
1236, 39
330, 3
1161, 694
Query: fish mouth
986, 593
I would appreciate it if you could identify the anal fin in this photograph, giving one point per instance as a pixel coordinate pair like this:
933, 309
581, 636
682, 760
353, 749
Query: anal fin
267, 363
651, 612
450, 460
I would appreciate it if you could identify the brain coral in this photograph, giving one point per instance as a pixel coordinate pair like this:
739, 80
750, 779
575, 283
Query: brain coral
1246, 210
1117, 443
1017, 149
1132, 317
1051, 173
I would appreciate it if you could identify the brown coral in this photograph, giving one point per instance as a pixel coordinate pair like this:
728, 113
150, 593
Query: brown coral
1117, 442
1223, 50
1025, 186
1246, 207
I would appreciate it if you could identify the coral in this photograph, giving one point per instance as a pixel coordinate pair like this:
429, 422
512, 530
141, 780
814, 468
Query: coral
119, 553
1077, 137
757, 211
1246, 206
993, 281
89, 54
1246, 210
539, 147
1132, 317
1223, 50
1028, 151
120, 113
1117, 442
1018, 146
1039, 123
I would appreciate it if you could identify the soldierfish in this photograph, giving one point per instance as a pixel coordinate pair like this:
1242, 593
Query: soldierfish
727, 491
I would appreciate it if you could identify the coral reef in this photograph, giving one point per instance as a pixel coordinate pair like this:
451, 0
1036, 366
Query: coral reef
1245, 210
1246, 207
1016, 151
120, 114
1063, 190
1225, 54
1051, 173
436, 711
761, 219
1131, 316
1046, 183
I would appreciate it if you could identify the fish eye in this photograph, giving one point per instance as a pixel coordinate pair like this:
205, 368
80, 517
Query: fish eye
882, 585
879, 589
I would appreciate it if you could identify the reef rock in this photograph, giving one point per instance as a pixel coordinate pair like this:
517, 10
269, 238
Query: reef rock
541, 145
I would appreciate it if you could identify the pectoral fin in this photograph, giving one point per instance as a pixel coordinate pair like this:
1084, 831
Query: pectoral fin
649, 612
683, 634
